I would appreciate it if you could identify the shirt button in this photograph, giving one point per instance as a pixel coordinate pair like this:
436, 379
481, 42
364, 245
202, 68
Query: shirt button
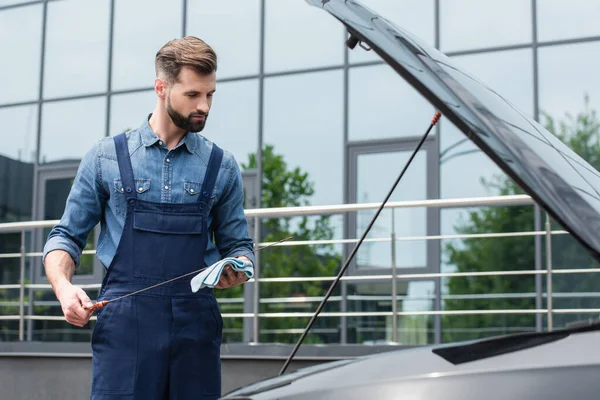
166, 188
191, 190
160, 142
168, 160
140, 189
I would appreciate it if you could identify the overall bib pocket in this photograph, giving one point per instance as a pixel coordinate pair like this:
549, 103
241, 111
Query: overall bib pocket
160, 234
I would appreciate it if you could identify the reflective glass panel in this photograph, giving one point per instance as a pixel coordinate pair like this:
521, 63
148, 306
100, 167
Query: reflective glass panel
19, 131
76, 48
128, 111
20, 37
304, 124
232, 28
298, 36
565, 19
469, 24
70, 128
376, 172
142, 27
233, 120
383, 105
567, 74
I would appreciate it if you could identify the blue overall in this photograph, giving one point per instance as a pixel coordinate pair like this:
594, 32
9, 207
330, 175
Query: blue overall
163, 343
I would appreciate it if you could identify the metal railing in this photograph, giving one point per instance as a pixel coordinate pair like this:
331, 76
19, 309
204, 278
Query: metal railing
258, 214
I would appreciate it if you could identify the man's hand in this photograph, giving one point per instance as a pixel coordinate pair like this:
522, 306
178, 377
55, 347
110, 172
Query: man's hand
71, 299
231, 278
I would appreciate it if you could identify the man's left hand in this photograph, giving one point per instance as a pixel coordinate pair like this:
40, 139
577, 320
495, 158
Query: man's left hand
230, 277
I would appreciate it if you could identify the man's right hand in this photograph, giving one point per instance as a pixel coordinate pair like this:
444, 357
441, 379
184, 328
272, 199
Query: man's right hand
71, 299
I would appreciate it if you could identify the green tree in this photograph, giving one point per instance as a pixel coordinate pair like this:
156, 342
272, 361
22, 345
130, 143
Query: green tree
582, 134
283, 186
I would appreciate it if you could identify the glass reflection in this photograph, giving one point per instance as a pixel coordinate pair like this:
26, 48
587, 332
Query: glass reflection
128, 111
298, 36
567, 74
76, 48
222, 24
136, 44
402, 222
469, 24
306, 128
239, 135
382, 105
564, 19
20, 37
70, 128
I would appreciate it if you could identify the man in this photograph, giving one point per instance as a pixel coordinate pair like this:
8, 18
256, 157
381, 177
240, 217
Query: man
169, 202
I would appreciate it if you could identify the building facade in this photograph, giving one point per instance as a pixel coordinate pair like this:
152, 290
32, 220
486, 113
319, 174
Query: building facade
74, 72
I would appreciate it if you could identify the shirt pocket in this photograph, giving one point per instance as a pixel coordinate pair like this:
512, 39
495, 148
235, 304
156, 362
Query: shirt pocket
142, 190
191, 192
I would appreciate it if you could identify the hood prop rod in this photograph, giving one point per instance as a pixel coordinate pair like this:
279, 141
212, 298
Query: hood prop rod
345, 266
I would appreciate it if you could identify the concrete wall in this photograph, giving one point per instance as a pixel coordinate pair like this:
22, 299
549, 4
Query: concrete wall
62, 371
63, 378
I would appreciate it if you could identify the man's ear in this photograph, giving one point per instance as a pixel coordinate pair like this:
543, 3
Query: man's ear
160, 87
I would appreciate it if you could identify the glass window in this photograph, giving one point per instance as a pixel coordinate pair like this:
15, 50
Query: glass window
76, 48
463, 166
5, 3
564, 19
221, 24
403, 222
415, 16
303, 121
376, 296
19, 129
128, 111
70, 128
383, 105
20, 40
298, 36
509, 73
239, 134
470, 24
141, 28
566, 75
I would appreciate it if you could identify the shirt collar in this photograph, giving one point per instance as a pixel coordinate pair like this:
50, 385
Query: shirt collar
149, 138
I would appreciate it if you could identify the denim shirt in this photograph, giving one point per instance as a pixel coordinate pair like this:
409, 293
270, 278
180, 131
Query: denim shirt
161, 176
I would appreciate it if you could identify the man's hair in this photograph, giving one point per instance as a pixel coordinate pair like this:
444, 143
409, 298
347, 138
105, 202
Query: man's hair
185, 52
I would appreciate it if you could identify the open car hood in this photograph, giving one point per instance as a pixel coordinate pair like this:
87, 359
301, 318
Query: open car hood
560, 181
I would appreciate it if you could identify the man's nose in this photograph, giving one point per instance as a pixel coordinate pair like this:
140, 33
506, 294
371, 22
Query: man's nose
203, 106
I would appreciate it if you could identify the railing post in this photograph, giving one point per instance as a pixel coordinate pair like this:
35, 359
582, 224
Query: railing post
256, 292
22, 288
549, 270
394, 286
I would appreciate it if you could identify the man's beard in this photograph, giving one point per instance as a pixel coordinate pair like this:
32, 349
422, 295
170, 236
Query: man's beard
186, 123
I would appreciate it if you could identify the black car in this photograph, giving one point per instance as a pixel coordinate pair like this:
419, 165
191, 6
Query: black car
562, 364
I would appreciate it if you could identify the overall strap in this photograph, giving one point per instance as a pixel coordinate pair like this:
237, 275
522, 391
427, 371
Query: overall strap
214, 163
125, 168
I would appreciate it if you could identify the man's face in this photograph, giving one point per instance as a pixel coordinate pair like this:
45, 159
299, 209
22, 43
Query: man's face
188, 101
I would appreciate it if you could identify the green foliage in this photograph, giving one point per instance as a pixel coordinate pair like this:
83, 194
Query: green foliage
582, 134
285, 187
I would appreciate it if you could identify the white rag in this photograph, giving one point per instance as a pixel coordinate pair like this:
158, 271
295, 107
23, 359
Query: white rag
210, 276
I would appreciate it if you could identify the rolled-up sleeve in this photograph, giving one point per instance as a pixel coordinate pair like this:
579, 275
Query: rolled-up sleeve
230, 226
83, 209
